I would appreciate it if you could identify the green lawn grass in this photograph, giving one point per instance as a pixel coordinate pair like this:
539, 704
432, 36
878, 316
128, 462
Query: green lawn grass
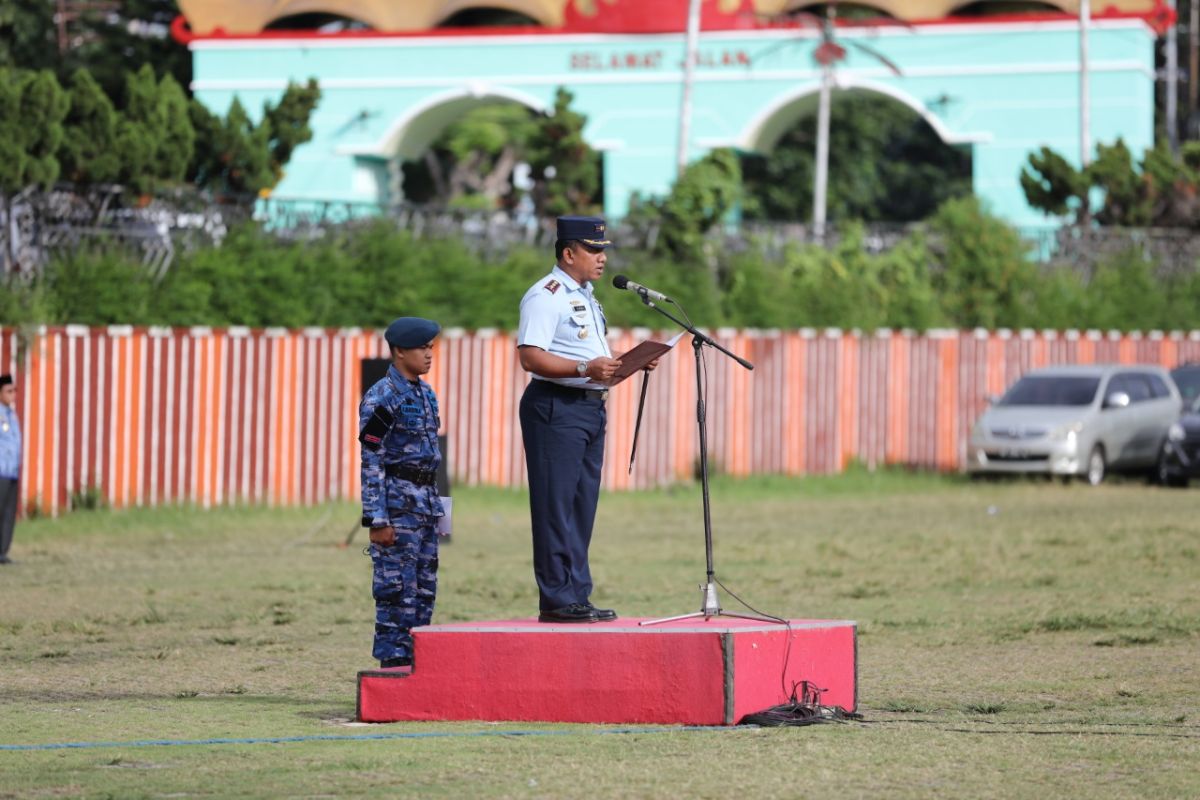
1017, 639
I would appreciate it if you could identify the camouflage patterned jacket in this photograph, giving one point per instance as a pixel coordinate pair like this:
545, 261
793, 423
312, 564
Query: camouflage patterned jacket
398, 424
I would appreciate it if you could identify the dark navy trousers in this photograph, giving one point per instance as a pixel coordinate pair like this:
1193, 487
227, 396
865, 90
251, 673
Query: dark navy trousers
563, 431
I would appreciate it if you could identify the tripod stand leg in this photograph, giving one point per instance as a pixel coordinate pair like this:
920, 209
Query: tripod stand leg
693, 615
755, 617
637, 427
710, 608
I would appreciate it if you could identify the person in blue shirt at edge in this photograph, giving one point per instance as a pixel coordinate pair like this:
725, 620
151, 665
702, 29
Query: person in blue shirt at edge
10, 464
398, 427
561, 342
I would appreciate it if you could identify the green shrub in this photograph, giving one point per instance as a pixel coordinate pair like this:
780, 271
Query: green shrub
1124, 295
1183, 302
97, 288
981, 269
911, 301
1061, 300
965, 269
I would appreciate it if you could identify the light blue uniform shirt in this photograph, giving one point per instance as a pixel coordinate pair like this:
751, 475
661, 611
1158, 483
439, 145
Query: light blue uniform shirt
10, 443
564, 318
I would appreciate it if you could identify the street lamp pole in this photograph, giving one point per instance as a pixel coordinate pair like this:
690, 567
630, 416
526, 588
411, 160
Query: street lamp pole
1172, 82
1085, 145
689, 70
821, 176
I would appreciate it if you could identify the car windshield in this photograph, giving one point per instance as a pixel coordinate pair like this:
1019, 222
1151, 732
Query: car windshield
1061, 390
1188, 381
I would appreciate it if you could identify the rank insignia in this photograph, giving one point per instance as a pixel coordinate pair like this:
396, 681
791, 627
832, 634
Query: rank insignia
552, 286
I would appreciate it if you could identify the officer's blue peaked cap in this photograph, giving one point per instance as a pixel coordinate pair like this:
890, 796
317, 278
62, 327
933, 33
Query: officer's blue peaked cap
592, 231
408, 332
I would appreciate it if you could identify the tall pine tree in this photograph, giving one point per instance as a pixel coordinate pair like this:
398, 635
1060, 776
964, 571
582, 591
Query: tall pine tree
573, 183
143, 120
89, 148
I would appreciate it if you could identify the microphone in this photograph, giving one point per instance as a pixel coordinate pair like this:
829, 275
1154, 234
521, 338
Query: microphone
621, 282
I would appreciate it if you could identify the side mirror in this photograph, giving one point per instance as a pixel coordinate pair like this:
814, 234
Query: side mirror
1117, 400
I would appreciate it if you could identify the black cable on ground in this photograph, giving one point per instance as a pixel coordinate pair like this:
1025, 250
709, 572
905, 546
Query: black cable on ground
805, 710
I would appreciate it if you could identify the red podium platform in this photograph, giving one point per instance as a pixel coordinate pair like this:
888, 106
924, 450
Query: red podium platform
690, 672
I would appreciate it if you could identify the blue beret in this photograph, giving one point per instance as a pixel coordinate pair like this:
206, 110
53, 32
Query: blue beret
592, 231
407, 332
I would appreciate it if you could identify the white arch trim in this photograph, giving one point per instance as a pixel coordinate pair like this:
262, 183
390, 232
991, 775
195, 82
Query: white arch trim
751, 135
386, 145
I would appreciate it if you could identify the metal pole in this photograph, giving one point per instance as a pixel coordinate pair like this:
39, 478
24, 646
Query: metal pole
1172, 87
60, 20
821, 177
1193, 56
689, 69
1085, 145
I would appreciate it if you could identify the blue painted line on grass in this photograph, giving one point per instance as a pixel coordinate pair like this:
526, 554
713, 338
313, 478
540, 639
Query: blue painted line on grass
329, 737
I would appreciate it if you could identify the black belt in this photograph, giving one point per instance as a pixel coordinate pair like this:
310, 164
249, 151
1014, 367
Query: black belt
421, 477
573, 391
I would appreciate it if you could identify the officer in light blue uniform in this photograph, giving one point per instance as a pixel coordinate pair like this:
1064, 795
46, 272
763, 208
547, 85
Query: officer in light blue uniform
398, 428
10, 464
561, 341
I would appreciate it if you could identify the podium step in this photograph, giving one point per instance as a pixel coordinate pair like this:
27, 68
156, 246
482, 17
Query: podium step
688, 672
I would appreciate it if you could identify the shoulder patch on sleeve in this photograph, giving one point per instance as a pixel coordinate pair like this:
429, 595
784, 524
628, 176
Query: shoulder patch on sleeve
376, 428
552, 286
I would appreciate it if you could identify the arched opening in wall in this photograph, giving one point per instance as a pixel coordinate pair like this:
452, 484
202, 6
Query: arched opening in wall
317, 22
1006, 8
498, 154
845, 11
488, 17
886, 162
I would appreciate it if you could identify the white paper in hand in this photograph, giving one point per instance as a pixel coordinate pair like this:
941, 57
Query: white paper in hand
444, 525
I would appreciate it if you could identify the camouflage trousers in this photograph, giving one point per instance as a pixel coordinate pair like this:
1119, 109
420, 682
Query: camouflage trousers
404, 584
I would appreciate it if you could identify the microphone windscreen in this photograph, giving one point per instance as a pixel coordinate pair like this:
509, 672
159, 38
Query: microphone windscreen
619, 281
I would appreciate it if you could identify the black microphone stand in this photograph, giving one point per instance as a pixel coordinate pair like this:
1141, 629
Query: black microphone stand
710, 605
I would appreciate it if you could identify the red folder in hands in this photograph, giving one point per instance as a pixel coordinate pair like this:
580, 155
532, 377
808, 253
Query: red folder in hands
636, 358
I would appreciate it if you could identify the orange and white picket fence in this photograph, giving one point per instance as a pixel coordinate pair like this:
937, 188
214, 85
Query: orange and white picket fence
149, 416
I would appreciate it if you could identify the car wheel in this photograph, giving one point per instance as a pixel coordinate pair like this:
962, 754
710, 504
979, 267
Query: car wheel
1162, 471
1096, 466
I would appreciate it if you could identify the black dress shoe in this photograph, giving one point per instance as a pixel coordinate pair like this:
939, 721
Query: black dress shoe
603, 614
576, 612
388, 663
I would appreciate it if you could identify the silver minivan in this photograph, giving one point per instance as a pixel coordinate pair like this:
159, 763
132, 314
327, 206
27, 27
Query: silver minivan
1077, 420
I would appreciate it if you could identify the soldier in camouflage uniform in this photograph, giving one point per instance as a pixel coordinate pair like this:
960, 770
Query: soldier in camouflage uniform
398, 426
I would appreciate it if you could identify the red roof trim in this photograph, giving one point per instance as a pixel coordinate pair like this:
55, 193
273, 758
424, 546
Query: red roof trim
1159, 18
